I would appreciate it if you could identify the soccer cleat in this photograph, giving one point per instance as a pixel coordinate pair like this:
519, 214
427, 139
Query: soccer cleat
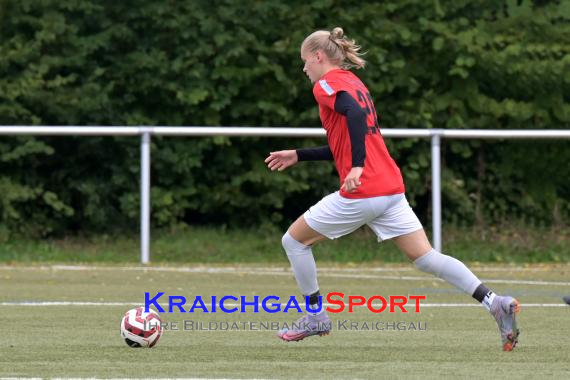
306, 326
504, 309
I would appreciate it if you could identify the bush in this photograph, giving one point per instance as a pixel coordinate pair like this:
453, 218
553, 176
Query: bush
462, 64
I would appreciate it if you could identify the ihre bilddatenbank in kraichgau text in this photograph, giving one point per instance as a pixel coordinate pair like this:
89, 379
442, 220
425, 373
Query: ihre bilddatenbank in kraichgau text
271, 304
340, 325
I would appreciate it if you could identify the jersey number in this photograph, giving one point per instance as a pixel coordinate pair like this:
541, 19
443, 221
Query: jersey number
368, 107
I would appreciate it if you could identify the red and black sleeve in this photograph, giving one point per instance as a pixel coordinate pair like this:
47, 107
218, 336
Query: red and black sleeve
346, 105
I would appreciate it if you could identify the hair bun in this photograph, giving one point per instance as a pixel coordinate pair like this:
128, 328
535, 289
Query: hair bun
337, 33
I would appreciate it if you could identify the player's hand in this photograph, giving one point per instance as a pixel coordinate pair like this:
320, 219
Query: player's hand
352, 180
281, 160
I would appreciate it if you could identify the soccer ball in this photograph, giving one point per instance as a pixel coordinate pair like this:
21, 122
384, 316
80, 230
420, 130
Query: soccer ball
140, 329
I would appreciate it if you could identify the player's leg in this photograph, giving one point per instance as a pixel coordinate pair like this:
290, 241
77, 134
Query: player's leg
503, 308
297, 243
415, 245
330, 218
400, 224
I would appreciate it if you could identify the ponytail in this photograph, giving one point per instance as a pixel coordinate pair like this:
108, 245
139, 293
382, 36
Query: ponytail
340, 50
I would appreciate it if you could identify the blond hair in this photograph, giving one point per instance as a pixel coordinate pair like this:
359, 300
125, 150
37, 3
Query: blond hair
340, 50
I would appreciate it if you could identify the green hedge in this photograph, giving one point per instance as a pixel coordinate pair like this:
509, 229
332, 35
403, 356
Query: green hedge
432, 64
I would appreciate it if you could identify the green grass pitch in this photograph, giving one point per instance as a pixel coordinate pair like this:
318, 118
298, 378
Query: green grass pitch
82, 341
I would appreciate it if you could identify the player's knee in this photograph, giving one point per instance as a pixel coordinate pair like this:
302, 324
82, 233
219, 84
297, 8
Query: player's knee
292, 246
285, 240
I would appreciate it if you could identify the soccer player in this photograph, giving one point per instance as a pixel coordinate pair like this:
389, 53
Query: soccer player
372, 189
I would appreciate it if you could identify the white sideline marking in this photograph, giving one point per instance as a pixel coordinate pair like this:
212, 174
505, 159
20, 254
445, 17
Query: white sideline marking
325, 272
201, 269
287, 272
120, 378
407, 268
376, 305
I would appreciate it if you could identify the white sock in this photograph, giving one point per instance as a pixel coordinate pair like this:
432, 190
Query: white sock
449, 269
303, 264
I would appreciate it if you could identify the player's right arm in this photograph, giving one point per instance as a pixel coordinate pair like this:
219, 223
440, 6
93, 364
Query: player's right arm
284, 159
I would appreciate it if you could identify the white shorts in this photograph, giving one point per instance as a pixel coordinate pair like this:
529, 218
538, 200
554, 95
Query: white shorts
388, 216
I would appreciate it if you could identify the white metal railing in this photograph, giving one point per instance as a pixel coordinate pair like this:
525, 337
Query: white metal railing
145, 132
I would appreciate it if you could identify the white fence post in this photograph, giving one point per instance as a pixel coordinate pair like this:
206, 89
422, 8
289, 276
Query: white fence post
436, 188
145, 198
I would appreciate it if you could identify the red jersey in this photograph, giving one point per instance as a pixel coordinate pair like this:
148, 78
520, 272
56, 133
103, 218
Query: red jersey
381, 175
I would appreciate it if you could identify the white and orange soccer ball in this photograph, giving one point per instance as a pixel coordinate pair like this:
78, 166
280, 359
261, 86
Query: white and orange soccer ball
140, 329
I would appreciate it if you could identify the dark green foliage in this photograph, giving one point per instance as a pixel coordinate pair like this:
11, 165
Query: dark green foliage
431, 64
